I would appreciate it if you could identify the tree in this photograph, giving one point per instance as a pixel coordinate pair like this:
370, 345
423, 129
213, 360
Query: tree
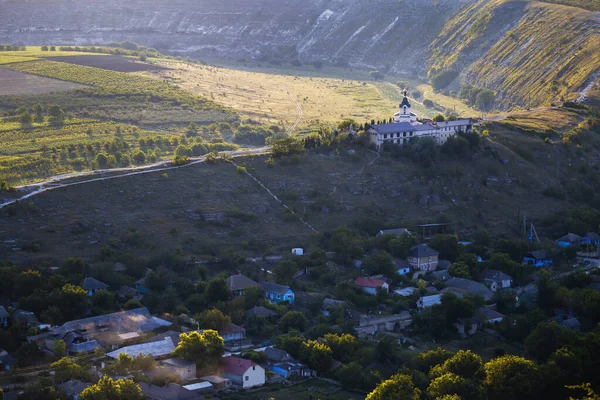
132, 304
380, 263
399, 246
343, 346
447, 245
109, 389
485, 99
57, 116
425, 361
26, 118
443, 79
60, 348
66, 368
285, 271
287, 146
72, 301
217, 290
293, 320
543, 341
511, 377
397, 387
203, 348
139, 157
452, 384
465, 364
318, 356
213, 319
103, 300
439, 118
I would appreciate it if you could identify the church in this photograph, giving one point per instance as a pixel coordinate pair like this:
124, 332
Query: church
406, 126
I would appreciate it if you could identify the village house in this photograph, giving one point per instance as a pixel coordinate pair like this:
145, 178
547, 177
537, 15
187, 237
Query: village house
73, 388
127, 292
372, 324
423, 258
4, 317
217, 382
496, 279
108, 330
406, 127
277, 293
405, 292
329, 304
232, 332
591, 238
570, 240
284, 365
428, 301
184, 369
6, 360
538, 258
370, 285
396, 231
402, 267
487, 315
237, 284
92, 285
260, 312
467, 286
571, 323
242, 373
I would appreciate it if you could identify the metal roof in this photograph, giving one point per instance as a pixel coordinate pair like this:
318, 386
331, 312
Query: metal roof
240, 282
394, 128
154, 349
274, 288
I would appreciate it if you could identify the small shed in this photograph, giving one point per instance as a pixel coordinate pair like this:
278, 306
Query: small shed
298, 251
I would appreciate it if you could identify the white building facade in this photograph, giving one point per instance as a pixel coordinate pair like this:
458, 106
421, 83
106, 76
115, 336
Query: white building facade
406, 126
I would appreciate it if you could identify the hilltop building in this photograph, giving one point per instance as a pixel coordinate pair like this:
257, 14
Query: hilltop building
406, 126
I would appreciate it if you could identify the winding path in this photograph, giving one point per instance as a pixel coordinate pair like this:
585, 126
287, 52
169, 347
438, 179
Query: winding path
56, 181
298, 107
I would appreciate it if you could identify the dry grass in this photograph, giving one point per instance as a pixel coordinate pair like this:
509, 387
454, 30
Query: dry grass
264, 97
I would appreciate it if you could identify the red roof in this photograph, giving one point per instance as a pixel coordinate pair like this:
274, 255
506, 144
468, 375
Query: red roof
236, 365
368, 282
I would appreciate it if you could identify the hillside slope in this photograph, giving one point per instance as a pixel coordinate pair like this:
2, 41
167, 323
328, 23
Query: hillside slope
359, 32
530, 53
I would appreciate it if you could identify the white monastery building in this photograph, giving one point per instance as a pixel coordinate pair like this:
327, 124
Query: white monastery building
406, 126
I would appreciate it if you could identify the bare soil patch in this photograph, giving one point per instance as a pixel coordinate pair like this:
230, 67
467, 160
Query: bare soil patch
112, 63
16, 83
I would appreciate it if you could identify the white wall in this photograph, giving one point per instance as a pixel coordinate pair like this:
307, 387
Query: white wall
254, 376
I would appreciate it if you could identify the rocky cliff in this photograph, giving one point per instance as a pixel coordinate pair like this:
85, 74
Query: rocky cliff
384, 34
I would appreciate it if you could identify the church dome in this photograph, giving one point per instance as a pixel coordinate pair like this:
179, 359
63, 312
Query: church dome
405, 102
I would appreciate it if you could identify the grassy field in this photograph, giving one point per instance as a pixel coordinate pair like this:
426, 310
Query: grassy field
36, 51
326, 95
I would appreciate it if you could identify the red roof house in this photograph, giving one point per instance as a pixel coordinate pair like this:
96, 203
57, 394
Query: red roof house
242, 372
370, 285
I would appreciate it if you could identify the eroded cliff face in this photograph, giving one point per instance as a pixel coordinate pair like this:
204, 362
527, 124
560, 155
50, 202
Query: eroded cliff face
385, 34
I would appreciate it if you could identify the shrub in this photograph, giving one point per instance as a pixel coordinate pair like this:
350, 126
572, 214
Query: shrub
180, 160
428, 103
240, 169
443, 79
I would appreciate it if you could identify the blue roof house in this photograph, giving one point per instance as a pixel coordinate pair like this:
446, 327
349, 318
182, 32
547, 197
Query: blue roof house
402, 266
278, 293
538, 258
570, 240
591, 238
92, 285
